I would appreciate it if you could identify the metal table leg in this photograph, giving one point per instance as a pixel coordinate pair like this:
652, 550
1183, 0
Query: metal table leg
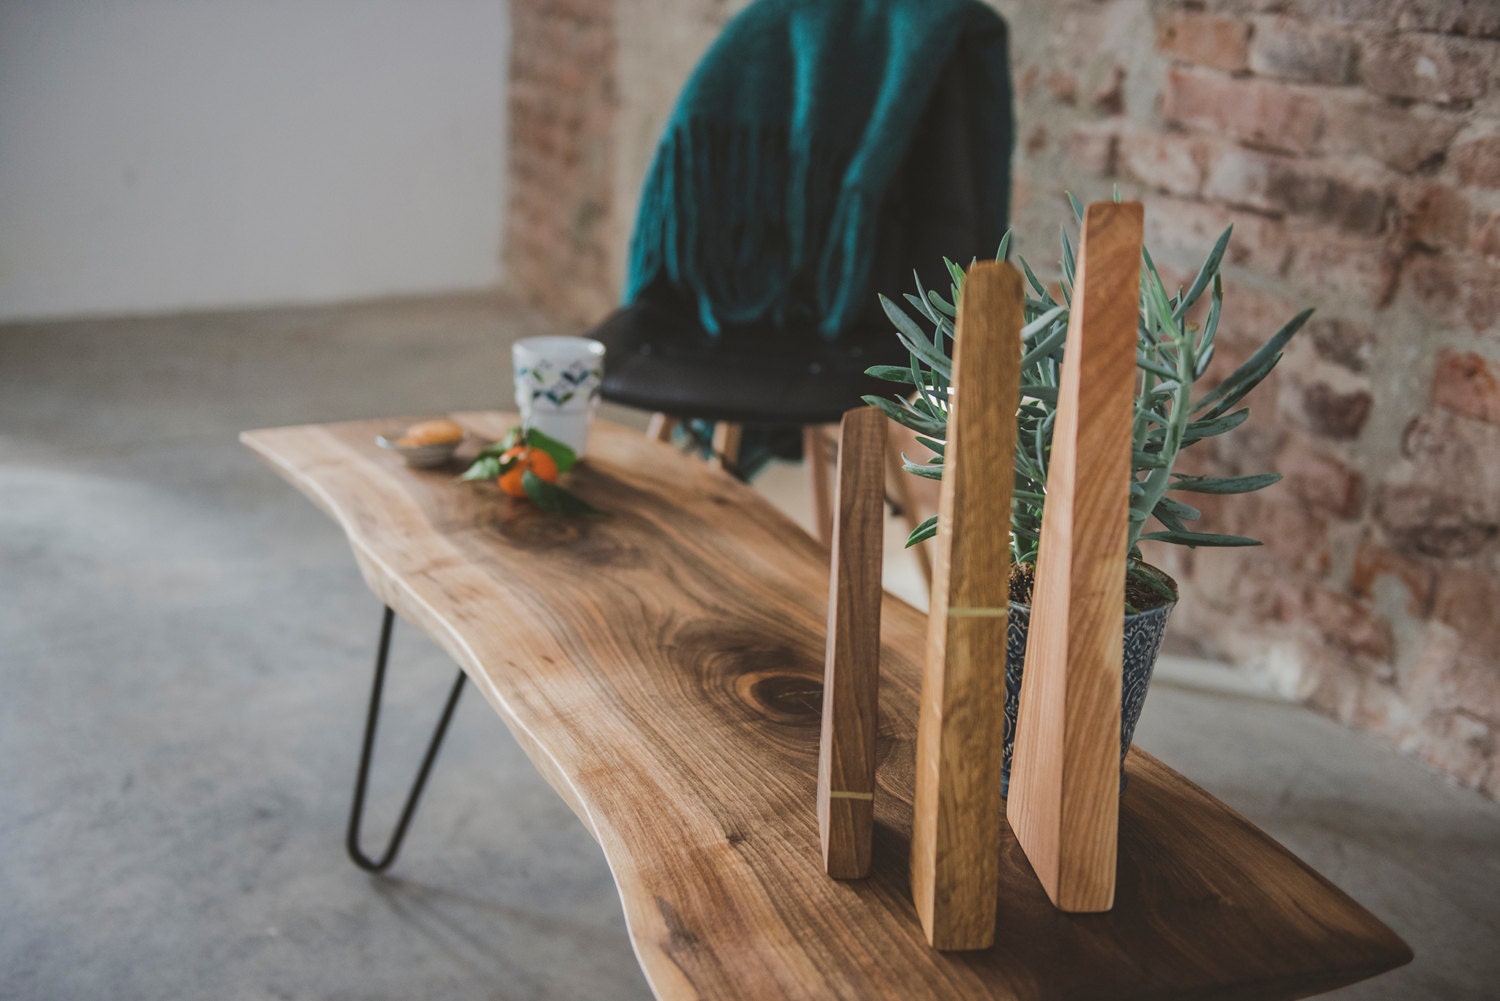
356, 812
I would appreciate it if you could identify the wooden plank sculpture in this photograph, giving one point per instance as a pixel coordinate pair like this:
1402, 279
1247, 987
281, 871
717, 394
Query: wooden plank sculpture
1065, 777
955, 855
851, 662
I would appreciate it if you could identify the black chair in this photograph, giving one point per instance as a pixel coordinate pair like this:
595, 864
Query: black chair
661, 358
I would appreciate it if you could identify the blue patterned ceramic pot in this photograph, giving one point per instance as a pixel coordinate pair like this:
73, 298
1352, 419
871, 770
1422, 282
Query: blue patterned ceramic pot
1143, 634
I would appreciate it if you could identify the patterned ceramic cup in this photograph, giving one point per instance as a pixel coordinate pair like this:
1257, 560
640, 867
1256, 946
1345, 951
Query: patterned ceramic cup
557, 385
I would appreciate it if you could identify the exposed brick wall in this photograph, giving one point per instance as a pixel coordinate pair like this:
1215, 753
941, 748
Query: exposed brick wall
1354, 145
559, 248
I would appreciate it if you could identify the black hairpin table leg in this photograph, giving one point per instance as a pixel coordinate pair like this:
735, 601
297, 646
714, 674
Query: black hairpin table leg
356, 812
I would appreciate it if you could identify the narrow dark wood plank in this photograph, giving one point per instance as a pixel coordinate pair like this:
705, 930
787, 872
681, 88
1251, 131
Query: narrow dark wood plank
1065, 783
661, 667
955, 848
851, 668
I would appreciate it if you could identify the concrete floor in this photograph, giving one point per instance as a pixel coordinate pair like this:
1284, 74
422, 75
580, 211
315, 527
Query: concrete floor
184, 653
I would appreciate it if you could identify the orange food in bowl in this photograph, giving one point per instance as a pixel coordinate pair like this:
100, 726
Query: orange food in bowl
436, 432
534, 459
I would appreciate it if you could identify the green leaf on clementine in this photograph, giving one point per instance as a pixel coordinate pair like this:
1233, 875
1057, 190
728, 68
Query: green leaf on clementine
561, 454
553, 498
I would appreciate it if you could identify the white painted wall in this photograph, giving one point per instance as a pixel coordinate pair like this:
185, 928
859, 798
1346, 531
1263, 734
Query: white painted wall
158, 155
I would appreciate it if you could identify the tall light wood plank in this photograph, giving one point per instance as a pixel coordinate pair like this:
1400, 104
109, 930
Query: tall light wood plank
955, 855
851, 663
1065, 778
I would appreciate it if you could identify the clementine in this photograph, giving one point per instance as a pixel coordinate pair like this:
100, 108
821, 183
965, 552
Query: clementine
520, 459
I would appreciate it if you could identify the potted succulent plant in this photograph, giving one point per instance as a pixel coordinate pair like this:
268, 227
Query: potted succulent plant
1171, 413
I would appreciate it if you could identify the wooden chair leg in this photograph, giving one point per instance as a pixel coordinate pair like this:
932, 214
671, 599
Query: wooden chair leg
900, 482
726, 445
661, 427
815, 453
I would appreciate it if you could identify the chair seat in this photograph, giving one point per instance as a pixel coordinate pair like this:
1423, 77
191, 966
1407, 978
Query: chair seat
658, 359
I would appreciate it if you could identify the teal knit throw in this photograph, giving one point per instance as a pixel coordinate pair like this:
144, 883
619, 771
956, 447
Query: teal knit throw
763, 199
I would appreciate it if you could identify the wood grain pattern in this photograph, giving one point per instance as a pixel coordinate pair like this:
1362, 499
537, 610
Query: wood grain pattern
851, 663
1065, 781
955, 847
661, 667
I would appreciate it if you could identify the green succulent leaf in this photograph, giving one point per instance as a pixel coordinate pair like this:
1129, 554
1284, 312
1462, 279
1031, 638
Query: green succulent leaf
942, 305
937, 446
921, 306
925, 405
1185, 512
1156, 290
1046, 346
923, 532
891, 373
1210, 327
1256, 368
1195, 539
1069, 265
1047, 319
925, 470
1207, 428
1254, 378
1226, 484
1156, 417
1203, 359
957, 274
915, 341
904, 324
1036, 283
1207, 274
907, 417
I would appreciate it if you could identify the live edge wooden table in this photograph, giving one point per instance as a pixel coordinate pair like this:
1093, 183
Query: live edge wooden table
662, 667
